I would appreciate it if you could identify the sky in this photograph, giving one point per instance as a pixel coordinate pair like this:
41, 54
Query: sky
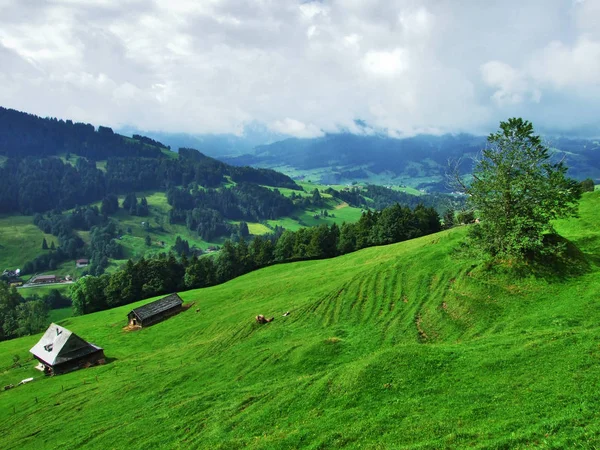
304, 68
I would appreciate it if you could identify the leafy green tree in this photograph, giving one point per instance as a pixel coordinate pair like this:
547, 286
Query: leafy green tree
262, 251
449, 218
142, 208
587, 185
32, 317
110, 205
227, 263
148, 240
9, 300
130, 203
465, 216
316, 197
517, 191
244, 231
200, 272
347, 240
87, 294
284, 248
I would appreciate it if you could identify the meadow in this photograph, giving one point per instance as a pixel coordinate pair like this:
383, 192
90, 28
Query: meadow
20, 241
411, 345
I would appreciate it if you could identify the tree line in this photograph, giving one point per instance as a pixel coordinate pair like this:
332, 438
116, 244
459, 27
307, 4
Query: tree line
24, 134
103, 244
207, 211
168, 273
19, 317
31, 185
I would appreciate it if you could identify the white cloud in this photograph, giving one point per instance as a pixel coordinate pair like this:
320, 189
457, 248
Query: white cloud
386, 63
510, 84
296, 128
417, 22
303, 68
312, 9
562, 66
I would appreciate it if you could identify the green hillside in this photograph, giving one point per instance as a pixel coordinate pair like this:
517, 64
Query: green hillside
402, 346
21, 240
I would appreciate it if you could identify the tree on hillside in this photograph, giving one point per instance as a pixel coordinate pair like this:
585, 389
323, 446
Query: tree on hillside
44, 244
142, 208
587, 185
449, 218
130, 203
517, 191
9, 300
110, 205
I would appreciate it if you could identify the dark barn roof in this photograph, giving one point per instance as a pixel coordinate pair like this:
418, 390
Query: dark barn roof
157, 307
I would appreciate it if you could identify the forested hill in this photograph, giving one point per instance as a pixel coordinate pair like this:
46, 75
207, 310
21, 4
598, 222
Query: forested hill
24, 134
51, 164
420, 161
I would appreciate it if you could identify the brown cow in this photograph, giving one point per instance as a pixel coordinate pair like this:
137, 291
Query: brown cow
262, 319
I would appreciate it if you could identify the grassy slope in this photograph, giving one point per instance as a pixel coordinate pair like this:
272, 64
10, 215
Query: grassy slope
20, 241
394, 346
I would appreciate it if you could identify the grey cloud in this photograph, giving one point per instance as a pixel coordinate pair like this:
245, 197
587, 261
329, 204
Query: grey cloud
302, 68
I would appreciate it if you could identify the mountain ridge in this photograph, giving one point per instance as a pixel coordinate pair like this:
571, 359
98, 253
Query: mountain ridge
421, 161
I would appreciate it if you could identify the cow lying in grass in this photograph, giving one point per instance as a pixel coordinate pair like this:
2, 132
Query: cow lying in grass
262, 319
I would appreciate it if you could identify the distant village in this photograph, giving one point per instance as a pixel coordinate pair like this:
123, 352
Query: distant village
14, 279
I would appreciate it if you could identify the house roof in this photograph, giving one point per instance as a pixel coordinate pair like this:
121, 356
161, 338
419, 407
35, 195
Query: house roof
158, 306
59, 345
45, 277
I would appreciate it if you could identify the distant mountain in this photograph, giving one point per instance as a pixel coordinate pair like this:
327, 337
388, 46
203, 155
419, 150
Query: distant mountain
215, 145
419, 161
50, 163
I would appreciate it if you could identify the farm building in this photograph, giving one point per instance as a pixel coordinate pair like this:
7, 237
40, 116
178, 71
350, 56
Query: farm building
82, 263
60, 351
44, 279
155, 311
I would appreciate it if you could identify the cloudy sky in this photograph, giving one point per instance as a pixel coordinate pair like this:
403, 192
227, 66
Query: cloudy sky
304, 67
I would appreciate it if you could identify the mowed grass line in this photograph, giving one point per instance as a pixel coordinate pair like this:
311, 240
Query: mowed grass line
401, 346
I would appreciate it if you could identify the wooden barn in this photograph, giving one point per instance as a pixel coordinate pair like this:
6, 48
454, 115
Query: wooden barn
60, 351
155, 311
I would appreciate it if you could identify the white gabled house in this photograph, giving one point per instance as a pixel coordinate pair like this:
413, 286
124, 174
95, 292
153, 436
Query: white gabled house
60, 351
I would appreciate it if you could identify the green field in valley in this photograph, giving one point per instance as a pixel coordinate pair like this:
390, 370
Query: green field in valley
58, 315
401, 346
20, 241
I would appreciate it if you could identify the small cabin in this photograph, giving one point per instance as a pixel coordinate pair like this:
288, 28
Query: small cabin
155, 311
82, 263
60, 351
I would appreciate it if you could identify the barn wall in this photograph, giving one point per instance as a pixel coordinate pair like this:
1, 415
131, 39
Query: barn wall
79, 363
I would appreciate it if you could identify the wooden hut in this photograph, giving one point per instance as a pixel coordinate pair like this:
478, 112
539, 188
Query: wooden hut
60, 351
155, 311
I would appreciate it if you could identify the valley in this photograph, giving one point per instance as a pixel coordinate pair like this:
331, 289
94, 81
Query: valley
408, 343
